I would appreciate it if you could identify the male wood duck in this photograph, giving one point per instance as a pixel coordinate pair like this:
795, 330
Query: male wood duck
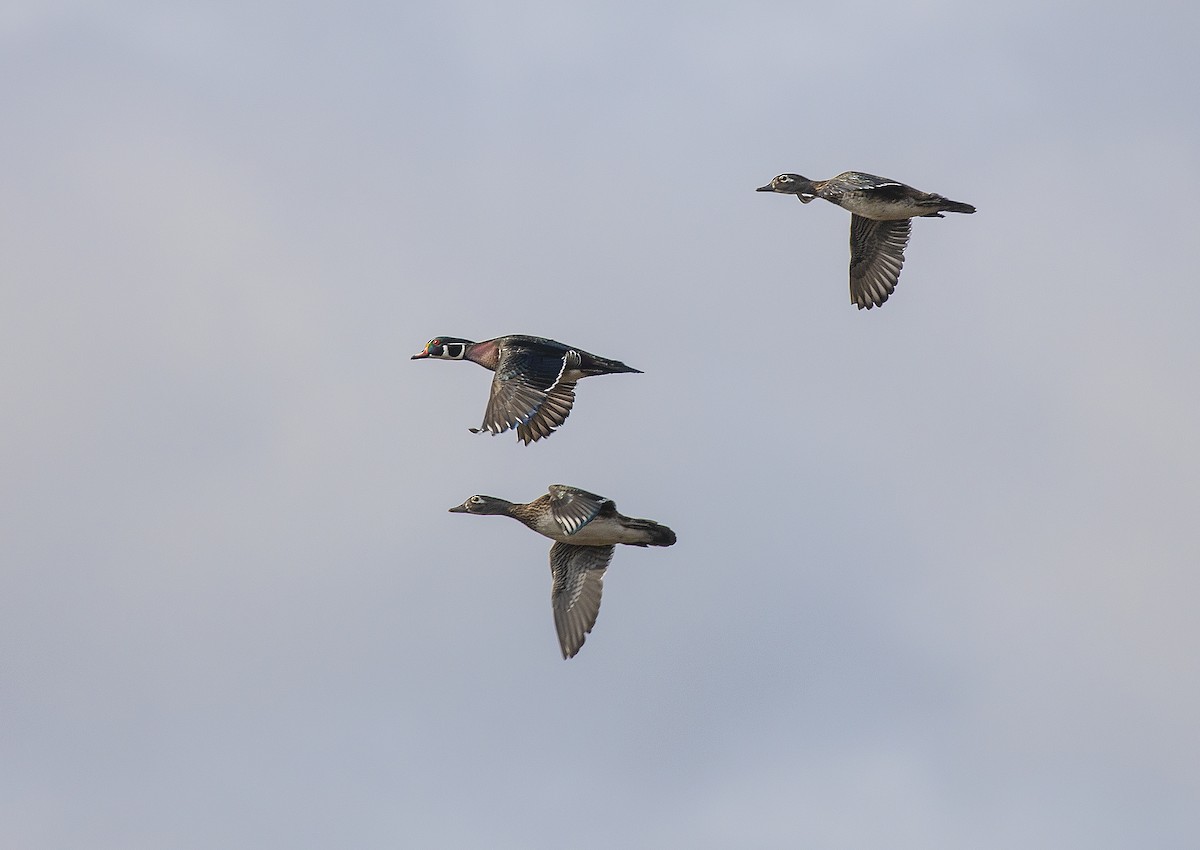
585, 529
534, 387
880, 224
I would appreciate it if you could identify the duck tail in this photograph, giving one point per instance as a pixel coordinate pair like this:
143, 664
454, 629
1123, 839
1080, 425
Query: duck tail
956, 206
604, 366
591, 364
656, 533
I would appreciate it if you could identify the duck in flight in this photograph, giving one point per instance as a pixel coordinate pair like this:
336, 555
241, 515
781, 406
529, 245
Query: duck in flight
533, 389
585, 528
882, 211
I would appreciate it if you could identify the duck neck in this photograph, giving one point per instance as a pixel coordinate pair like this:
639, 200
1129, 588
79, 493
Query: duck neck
528, 514
808, 191
486, 354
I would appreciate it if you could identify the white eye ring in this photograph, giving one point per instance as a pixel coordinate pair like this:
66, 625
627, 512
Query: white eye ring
477, 500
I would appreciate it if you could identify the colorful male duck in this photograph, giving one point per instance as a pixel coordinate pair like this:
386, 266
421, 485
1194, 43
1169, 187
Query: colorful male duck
586, 529
534, 387
880, 224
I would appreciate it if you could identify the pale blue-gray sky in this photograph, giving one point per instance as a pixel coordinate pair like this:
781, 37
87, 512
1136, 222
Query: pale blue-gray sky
936, 570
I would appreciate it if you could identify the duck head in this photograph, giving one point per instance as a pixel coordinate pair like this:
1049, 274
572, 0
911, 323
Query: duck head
791, 184
444, 348
482, 505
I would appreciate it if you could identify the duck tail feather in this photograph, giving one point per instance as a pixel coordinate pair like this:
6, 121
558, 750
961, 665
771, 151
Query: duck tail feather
657, 534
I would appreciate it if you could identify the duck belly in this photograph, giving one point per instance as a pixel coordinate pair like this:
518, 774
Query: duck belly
601, 532
882, 209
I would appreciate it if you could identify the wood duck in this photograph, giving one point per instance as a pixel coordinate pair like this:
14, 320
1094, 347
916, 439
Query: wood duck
534, 387
880, 224
585, 529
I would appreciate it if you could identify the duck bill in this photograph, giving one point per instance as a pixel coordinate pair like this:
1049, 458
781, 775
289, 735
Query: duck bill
459, 509
420, 355
767, 188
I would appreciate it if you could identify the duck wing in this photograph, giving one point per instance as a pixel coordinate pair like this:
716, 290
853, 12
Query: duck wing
573, 508
861, 181
876, 257
554, 410
525, 377
577, 581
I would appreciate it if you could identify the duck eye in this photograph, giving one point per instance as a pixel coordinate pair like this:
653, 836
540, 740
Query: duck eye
783, 178
476, 500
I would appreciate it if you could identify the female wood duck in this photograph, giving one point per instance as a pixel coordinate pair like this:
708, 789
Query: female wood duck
880, 224
534, 387
586, 529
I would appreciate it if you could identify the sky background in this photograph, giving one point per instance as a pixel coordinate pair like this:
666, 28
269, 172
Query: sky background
936, 577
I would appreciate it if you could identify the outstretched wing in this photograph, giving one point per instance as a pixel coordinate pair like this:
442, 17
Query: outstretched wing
577, 580
523, 378
876, 257
554, 410
572, 508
